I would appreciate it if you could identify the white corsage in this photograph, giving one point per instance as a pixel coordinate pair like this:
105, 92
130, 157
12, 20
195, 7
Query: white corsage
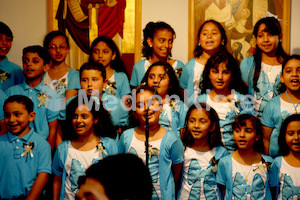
4, 75
111, 89
63, 83
153, 151
234, 105
174, 105
261, 168
101, 149
178, 72
42, 97
28, 149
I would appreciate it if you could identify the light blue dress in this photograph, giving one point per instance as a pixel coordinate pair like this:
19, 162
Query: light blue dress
196, 180
236, 185
45, 112
2, 99
273, 116
266, 88
140, 68
187, 81
18, 173
170, 153
286, 189
10, 74
76, 168
243, 107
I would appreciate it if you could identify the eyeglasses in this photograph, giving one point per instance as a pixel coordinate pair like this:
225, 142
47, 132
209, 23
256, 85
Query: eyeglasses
54, 47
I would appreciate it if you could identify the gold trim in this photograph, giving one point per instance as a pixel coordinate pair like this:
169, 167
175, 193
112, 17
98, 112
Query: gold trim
286, 25
138, 30
50, 16
191, 32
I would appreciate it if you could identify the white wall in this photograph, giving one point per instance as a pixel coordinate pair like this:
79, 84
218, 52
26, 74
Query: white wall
295, 27
175, 13
27, 20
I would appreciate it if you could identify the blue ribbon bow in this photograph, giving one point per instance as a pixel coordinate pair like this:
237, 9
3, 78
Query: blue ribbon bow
241, 188
288, 189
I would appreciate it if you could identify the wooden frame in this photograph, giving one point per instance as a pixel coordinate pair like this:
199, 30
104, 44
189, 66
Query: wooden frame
285, 25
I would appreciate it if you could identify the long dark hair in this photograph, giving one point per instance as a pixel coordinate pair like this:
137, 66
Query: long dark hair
283, 147
116, 64
52, 35
214, 61
174, 83
296, 57
240, 121
149, 31
273, 27
103, 128
199, 50
214, 137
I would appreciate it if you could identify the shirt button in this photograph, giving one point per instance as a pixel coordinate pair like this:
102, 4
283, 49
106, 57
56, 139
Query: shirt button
17, 147
30, 97
18, 140
30, 90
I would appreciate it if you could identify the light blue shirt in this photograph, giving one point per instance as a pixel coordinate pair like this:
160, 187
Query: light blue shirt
17, 173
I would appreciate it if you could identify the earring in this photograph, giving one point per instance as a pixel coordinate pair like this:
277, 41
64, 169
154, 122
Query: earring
150, 46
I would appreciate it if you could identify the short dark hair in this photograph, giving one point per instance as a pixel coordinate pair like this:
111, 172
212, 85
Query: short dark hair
124, 176
44, 54
22, 100
4, 29
283, 147
95, 66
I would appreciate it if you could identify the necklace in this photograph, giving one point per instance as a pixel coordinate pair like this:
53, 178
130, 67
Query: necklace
246, 177
269, 71
295, 106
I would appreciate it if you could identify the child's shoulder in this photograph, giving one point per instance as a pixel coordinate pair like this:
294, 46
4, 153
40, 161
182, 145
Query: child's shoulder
140, 63
190, 63
267, 158
10, 66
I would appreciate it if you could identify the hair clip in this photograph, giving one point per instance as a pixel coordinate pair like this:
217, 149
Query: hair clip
269, 14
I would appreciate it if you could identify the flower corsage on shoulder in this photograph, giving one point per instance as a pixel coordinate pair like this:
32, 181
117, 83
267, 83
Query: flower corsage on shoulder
111, 88
263, 167
214, 164
234, 105
178, 72
28, 149
4, 75
43, 98
174, 105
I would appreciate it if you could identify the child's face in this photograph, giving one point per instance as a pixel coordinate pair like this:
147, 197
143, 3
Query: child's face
142, 102
17, 118
154, 77
161, 43
83, 121
291, 75
103, 54
266, 41
58, 49
245, 136
33, 65
92, 81
210, 37
292, 136
92, 189
220, 77
199, 124
5, 44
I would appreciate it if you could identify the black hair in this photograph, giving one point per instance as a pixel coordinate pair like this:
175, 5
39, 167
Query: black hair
213, 62
240, 121
283, 147
103, 128
174, 87
116, 64
124, 176
149, 31
214, 137
4, 29
296, 57
22, 100
52, 35
43, 53
273, 27
95, 66
198, 49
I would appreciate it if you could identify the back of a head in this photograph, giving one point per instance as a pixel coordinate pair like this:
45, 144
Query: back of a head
124, 176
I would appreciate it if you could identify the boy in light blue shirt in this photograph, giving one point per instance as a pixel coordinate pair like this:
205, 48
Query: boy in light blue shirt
25, 157
46, 101
10, 73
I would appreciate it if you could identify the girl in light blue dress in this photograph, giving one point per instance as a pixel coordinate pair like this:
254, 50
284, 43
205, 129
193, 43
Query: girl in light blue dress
105, 51
165, 148
87, 132
223, 89
203, 150
245, 173
283, 105
261, 71
285, 177
162, 78
211, 39
157, 47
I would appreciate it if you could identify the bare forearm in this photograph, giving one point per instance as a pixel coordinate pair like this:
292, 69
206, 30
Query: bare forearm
38, 186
